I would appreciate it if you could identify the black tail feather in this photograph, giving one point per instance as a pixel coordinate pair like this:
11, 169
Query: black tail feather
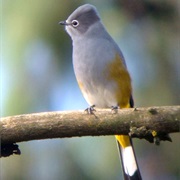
131, 102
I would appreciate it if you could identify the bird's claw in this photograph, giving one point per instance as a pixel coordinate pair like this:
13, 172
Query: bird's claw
90, 110
114, 109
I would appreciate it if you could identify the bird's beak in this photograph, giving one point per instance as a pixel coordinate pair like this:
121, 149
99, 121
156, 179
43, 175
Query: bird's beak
64, 23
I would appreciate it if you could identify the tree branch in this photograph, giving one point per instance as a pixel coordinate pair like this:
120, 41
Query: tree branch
139, 122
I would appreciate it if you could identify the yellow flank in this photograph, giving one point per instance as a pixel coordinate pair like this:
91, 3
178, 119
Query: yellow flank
119, 73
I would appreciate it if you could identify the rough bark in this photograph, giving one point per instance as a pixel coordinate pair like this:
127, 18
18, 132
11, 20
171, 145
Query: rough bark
139, 122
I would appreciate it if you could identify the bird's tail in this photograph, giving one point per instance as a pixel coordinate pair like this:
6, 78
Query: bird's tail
128, 158
127, 155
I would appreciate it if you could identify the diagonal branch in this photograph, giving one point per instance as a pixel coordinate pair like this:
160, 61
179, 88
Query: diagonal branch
140, 122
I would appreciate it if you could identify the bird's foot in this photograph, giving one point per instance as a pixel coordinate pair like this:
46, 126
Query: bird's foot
90, 110
114, 109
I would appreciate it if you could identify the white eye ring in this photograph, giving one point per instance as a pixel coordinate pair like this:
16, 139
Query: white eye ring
75, 23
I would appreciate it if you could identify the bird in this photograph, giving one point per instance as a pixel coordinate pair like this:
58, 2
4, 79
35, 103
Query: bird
101, 73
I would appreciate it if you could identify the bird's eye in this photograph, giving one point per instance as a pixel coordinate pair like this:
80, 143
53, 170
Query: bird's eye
75, 23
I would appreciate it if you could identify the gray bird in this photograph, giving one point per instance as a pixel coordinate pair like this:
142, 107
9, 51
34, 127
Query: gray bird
102, 74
